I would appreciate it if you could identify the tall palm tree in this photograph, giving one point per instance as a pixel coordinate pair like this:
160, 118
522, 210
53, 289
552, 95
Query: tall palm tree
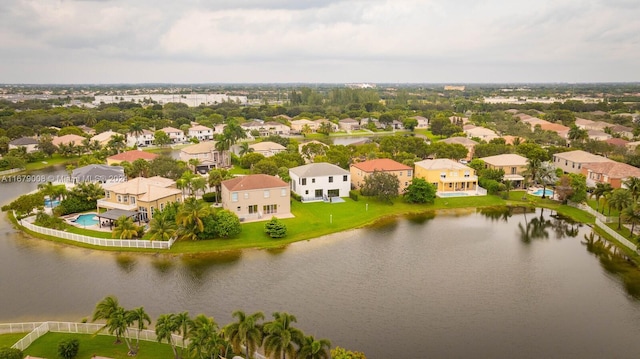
620, 199
194, 163
246, 331
314, 349
105, 308
281, 339
533, 165
216, 176
244, 149
117, 324
117, 143
183, 322
138, 316
165, 328
125, 228
547, 175
633, 184
631, 215
597, 192
160, 228
198, 183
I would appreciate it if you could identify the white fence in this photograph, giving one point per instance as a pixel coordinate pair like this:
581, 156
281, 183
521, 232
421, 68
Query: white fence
38, 329
103, 242
593, 212
615, 235
13, 170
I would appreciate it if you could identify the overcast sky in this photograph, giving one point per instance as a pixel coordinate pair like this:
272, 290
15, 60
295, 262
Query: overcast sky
319, 41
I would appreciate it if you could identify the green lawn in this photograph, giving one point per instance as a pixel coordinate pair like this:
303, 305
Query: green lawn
101, 345
56, 159
7, 340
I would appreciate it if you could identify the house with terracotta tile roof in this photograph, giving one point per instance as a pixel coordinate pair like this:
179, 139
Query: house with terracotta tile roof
613, 173
512, 164
257, 197
320, 181
66, 140
267, 148
140, 194
361, 170
449, 177
130, 156
573, 161
207, 155
619, 142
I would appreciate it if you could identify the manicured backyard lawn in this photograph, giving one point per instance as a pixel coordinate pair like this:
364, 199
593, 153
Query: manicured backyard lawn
7, 340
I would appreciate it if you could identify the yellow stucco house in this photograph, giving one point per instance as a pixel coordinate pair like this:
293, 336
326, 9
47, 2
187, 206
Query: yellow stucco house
141, 195
449, 177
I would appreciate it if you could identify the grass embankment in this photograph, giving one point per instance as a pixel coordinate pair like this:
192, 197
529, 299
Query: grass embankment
101, 345
7, 340
55, 160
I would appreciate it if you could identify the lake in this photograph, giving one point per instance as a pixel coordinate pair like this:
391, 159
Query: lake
455, 285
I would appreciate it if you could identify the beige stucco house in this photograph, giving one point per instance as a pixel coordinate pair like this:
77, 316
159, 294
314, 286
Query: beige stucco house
257, 197
572, 161
361, 170
512, 164
207, 155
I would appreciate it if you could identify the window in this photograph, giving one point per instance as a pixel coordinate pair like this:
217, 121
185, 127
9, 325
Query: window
443, 175
119, 198
246, 195
151, 209
513, 170
400, 174
313, 180
234, 197
409, 173
238, 209
344, 178
267, 193
253, 208
330, 179
306, 192
304, 181
107, 194
161, 206
467, 173
132, 200
271, 208
283, 192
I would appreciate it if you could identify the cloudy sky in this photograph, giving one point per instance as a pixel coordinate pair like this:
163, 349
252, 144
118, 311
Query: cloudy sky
319, 41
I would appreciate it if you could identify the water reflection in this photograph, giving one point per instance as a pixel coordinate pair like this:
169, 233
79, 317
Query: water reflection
421, 219
127, 263
614, 261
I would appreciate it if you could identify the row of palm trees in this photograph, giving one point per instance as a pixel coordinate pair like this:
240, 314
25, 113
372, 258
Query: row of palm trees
623, 200
201, 337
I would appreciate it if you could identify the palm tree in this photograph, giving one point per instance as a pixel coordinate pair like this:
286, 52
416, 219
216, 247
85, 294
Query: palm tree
533, 165
598, 191
281, 338
189, 217
216, 176
547, 175
183, 322
165, 327
118, 324
160, 228
631, 215
125, 228
198, 183
577, 134
245, 332
139, 316
105, 308
314, 349
205, 340
620, 199
244, 149
194, 163
117, 143
633, 184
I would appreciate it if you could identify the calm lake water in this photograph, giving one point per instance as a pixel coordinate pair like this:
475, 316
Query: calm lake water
457, 285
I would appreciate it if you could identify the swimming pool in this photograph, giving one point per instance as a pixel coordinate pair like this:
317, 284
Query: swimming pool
547, 192
453, 194
87, 219
49, 203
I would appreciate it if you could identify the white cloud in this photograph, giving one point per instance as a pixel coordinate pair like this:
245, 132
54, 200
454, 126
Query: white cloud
318, 41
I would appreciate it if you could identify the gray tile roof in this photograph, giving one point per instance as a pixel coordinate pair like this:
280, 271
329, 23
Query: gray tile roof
318, 170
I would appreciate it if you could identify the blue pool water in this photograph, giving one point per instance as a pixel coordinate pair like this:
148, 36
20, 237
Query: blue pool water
547, 192
49, 203
453, 194
86, 219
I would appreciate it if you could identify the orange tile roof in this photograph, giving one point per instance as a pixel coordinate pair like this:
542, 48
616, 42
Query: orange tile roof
250, 182
613, 169
381, 164
133, 155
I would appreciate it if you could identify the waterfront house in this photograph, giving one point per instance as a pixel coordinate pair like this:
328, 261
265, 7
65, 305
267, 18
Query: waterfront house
28, 143
257, 197
572, 161
143, 139
449, 177
298, 126
482, 133
320, 181
130, 156
207, 155
141, 195
202, 133
468, 143
613, 173
361, 170
348, 124
103, 138
175, 134
67, 140
512, 164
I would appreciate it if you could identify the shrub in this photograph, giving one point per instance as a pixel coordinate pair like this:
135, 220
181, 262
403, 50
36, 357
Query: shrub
210, 197
45, 220
11, 353
275, 229
353, 195
73, 204
68, 348
296, 196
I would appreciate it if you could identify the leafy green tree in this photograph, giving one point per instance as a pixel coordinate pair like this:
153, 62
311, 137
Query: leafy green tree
633, 184
311, 150
246, 331
275, 228
125, 228
312, 348
161, 227
547, 175
452, 151
189, 218
205, 339
342, 353
165, 327
281, 338
227, 224
11, 353
599, 191
579, 186
68, 348
216, 176
631, 214
161, 138
249, 159
266, 166
382, 185
438, 124
45, 144
420, 191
